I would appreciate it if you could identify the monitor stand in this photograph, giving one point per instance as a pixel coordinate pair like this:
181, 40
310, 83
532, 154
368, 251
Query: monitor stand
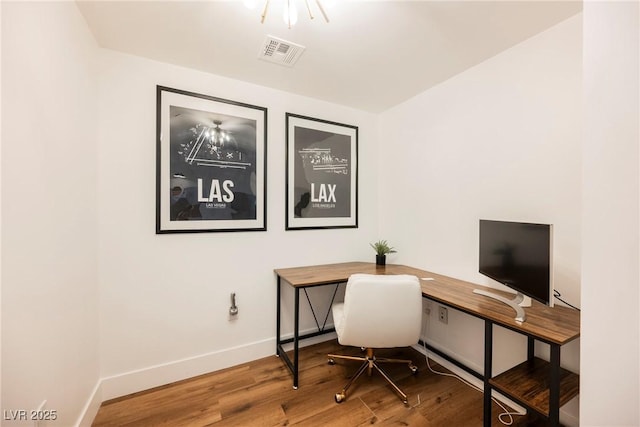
513, 303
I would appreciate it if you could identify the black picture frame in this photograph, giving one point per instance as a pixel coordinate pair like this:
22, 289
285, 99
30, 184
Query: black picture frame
321, 174
211, 164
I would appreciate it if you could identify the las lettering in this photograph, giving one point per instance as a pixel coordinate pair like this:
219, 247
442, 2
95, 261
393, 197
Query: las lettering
216, 193
326, 193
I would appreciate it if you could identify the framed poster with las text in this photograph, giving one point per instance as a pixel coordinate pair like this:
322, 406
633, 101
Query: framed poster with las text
210, 164
322, 174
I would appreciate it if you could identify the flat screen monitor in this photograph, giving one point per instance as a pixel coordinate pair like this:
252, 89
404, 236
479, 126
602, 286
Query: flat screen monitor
518, 255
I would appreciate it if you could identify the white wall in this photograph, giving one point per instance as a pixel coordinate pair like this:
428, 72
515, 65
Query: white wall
498, 141
467, 149
610, 230
164, 298
86, 191
49, 218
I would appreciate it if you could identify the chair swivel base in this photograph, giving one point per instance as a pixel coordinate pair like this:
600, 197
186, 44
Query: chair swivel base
370, 362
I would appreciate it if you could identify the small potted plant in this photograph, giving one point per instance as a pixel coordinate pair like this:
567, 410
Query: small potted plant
382, 248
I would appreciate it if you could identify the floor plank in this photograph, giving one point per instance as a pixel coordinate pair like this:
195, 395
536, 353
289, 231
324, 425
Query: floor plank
260, 393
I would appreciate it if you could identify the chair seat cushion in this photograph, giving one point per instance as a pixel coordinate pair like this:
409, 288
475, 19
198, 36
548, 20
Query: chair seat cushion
379, 311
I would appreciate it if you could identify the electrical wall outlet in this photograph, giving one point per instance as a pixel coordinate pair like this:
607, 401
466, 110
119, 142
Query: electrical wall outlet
443, 316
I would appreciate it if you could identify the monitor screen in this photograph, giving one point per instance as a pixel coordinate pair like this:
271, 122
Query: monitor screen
518, 255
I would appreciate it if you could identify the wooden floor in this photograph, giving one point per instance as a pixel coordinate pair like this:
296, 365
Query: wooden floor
260, 393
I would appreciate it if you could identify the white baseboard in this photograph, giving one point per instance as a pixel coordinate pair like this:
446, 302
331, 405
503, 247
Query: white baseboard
166, 373
467, 377
130, 382
91, 408
311, 341
569, 419
143, 379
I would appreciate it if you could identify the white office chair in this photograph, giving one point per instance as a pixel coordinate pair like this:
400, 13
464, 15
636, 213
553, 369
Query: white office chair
379, 311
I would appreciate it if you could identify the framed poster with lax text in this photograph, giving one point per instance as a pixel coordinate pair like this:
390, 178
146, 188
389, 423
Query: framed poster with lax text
321, 174
210, 164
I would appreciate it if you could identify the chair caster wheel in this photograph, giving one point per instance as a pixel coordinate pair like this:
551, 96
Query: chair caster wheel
340, 397
331, 362
414, 369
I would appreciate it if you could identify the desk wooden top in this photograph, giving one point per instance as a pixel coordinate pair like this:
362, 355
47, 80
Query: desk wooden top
557, 325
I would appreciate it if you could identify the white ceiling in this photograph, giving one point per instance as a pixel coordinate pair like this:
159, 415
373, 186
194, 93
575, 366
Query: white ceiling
371, 56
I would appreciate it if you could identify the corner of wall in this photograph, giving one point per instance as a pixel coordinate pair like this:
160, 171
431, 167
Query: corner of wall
91, 407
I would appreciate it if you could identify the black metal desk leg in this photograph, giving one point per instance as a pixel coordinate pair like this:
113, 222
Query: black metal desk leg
296, 324
278, 319
488, 362
531, 348
554, 386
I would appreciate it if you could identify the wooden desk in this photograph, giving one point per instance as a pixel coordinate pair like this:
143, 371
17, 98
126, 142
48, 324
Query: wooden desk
536, 384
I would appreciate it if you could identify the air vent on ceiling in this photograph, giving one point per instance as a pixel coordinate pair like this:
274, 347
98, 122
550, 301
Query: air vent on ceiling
280, 51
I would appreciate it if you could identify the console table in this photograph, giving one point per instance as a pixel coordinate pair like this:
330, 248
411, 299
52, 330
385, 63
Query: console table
536, 384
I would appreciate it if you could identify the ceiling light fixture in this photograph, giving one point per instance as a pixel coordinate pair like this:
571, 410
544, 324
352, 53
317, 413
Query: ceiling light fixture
290, 12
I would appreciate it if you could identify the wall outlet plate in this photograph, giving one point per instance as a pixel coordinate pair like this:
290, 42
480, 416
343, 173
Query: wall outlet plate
443, 315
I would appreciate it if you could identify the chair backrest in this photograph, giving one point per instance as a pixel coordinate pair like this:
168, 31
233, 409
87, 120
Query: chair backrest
381, 311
